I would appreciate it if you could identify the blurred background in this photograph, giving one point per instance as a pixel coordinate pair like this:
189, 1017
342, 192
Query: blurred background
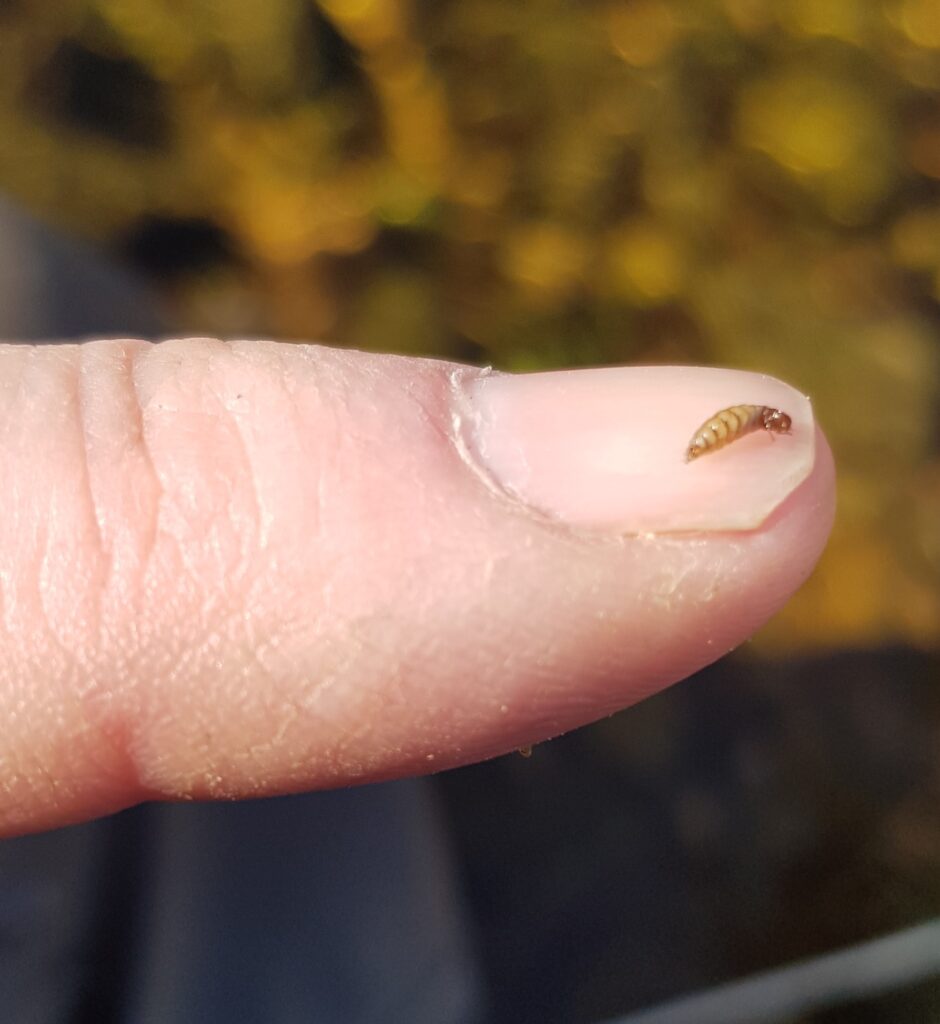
548, 183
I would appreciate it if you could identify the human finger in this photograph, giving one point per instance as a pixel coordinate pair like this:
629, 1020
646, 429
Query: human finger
236, 569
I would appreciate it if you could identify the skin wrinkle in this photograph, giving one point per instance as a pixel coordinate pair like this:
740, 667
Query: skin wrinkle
200, 781
14, 390
9, 388
298, 431
41, 538
312, 692
162, 550
434, 419
61, 654
182, 519
216, 384
138, 433
104, 552
288, 703
108, 704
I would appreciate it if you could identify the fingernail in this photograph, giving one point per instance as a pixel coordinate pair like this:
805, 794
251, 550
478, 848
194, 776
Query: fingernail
607, 448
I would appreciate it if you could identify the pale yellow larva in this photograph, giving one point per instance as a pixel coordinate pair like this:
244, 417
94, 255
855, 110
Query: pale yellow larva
734, 422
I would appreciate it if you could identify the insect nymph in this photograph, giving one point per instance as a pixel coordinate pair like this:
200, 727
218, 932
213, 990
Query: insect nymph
734, 422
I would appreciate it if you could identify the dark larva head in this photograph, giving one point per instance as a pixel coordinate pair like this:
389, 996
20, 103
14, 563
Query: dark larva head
776, 422
695, 449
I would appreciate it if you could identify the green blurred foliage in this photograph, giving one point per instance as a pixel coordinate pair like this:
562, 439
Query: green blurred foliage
752, 183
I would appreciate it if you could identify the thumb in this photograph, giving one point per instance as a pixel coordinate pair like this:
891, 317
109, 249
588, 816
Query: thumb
236, 569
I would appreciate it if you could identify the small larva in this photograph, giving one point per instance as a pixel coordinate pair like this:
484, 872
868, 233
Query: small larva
734, 422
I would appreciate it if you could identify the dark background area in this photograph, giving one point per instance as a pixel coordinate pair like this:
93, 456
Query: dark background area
757, 813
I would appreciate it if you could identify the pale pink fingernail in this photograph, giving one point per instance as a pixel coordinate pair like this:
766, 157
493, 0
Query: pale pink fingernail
606, 448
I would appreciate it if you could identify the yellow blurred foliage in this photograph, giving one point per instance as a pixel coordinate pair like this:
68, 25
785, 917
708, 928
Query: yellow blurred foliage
744, 182
642, 32
645, 262
844, 19
920, 21
829, 133
545, 256
923, 148
915, 238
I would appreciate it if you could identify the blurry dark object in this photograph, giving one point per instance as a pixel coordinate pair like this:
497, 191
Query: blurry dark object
111, 96
50, 289
777, 997
755, 815
170, 249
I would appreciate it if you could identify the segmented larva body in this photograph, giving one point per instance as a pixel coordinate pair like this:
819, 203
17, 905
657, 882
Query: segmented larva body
734, 422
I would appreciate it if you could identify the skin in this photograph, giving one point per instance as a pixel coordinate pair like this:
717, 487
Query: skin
238, 569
